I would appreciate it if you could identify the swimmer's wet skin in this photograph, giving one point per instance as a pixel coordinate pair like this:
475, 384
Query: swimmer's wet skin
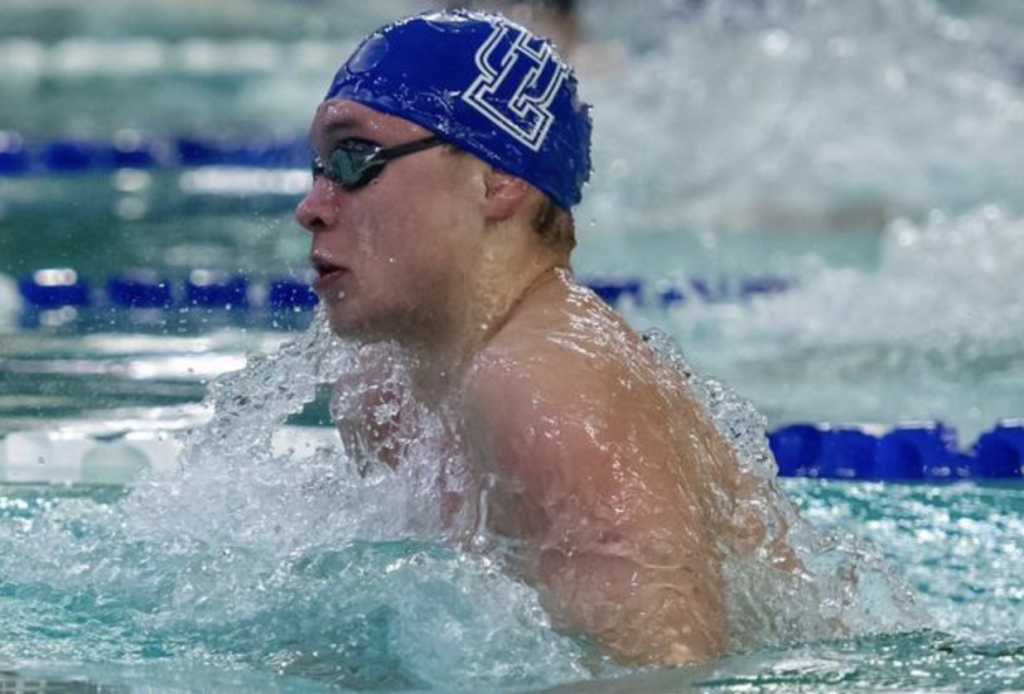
581, 446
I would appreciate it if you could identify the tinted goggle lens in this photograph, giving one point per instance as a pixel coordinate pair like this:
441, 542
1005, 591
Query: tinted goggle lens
354, 163
351, 165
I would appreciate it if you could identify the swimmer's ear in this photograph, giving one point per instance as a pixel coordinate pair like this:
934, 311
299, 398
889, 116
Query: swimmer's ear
505, 194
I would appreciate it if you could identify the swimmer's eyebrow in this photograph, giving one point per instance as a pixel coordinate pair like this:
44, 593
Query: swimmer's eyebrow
343, 123
340, 123
334, 129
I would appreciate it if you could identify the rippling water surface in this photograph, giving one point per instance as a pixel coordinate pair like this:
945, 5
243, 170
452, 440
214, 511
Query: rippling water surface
867, 151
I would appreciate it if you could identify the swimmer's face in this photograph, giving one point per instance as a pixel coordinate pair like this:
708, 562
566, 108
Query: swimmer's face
392, 253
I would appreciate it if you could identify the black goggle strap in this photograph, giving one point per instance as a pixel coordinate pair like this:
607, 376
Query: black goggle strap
397, 151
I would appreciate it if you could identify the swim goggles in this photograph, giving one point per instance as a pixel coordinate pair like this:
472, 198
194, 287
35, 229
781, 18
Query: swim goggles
354, 163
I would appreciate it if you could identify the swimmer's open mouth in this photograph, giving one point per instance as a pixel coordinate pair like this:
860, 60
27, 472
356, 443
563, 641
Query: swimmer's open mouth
326, 272
322, 267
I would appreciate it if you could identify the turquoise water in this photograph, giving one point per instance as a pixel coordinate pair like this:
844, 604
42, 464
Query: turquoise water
869, 152
395, 615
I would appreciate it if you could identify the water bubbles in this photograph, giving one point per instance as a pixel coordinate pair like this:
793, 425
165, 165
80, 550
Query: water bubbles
842, 47
833, 583
895, 78
775, 42
934, 331
267, 548
800, 108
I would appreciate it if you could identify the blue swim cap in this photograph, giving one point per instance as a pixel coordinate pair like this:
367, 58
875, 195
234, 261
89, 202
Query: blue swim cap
484, 84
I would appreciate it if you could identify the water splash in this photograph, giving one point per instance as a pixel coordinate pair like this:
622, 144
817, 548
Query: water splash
808, 114
838, 586
935, 331
949, 277
291, 562
296, 563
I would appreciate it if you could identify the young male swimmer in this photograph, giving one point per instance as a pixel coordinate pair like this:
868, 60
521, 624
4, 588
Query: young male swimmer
450, 150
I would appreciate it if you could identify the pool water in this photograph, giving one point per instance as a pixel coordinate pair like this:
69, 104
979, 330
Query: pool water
179, 617
866, 154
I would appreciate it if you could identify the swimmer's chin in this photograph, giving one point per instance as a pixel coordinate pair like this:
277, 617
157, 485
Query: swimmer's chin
343, 326
347, 326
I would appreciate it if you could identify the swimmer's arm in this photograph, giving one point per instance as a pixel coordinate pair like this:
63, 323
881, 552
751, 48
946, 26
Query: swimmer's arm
624, 558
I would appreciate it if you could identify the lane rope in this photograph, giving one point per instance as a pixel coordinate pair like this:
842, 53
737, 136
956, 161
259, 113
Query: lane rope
911, 452
923, 452
55, 288
130, 150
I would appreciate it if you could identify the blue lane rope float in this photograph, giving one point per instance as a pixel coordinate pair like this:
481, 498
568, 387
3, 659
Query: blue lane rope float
55, 288
52, 288
910, 452
1002, 450
212, 289
141, 289
67, 156
287, 293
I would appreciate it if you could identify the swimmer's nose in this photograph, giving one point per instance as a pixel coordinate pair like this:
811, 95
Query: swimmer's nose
316, 211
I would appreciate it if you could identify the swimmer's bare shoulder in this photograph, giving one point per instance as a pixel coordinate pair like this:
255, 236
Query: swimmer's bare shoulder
566, 411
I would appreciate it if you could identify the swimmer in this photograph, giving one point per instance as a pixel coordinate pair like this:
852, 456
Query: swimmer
450, 150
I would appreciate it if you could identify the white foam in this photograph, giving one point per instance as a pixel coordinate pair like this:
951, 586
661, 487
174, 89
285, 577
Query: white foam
78, 457
945, 280
11, 302
935, 331
808, 114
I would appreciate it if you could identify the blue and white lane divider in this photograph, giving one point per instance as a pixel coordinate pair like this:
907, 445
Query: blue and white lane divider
911, 452
55, 288
19, 157
923, 453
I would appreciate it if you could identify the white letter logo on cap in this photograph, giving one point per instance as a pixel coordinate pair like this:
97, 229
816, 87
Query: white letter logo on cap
517, 84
